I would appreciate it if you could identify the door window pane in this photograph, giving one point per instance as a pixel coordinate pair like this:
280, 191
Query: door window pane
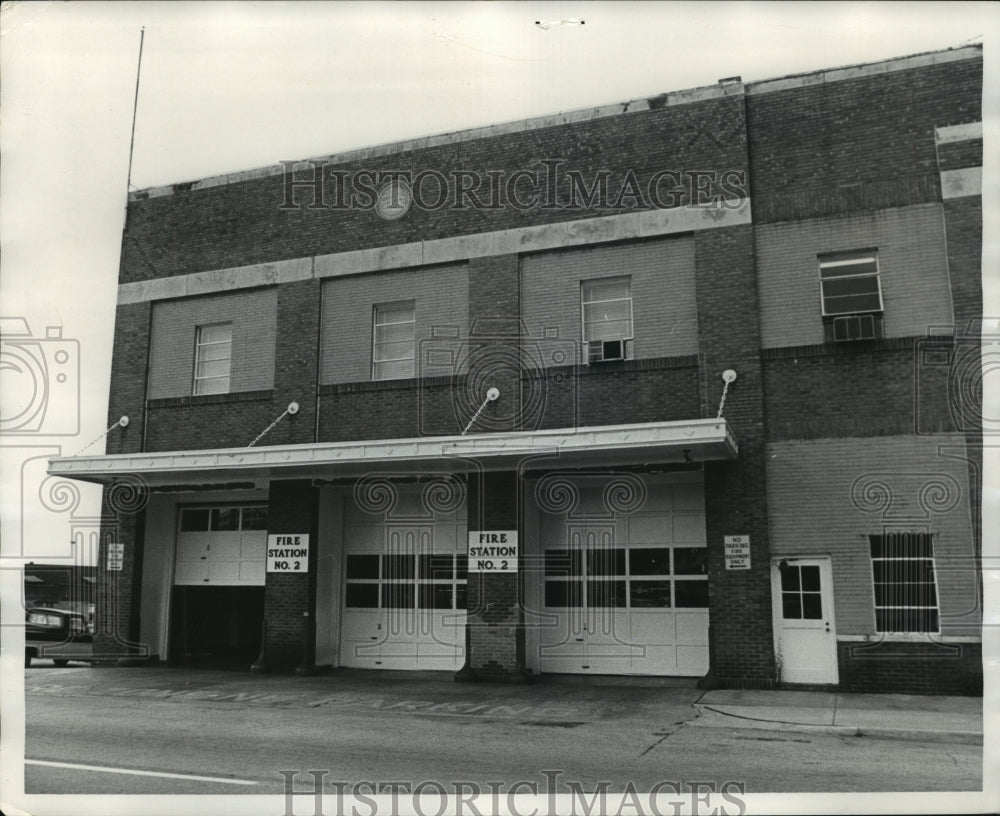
690, 560
691, 594
563, 594
226, 518
605, 593
812, 606
398, 595
563, 562
436, 567
649, 594
791, 606
649, 561
362, 596
605, 561
810, 579
194, 520
362, 566
254, 518
435, 596
398, 567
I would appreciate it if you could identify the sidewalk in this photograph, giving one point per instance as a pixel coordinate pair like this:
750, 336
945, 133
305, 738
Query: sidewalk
887, 716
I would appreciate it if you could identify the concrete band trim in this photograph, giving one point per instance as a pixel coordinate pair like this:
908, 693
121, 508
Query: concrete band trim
678, 441
960, 183
645, 224
959, 133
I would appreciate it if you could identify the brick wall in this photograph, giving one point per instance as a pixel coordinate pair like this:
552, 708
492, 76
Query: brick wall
242, 223
864, 388
211, 421
127, 394
613, 393
913, 271
663, 297
826, 496
856, 144
911, 668
441, 302
172, 342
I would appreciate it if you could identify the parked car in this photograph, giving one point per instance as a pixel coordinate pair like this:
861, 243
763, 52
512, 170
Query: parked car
46, 628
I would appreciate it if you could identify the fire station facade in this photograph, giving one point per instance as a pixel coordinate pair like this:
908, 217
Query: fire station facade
681, 386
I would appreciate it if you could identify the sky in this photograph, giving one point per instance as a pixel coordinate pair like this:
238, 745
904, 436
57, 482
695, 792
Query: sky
230, 86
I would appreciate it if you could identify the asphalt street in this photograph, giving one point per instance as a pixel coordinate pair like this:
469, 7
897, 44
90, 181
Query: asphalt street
190, 736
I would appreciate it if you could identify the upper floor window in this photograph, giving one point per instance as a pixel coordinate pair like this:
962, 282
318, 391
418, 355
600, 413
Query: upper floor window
851, 295
212, 358
904, 583
607, 318
393, 341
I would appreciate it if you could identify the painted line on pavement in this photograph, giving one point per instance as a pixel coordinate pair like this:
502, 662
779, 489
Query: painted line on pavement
131, 772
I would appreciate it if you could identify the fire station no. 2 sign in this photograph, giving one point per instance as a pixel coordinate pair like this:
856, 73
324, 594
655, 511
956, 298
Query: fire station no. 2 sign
288, 553
493, 551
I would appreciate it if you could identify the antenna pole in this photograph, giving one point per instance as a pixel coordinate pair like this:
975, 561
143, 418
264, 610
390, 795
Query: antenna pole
135, 108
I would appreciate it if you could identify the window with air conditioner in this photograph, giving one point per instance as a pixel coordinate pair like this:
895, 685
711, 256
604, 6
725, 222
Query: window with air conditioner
851, 296
607, 319
213, 356
393, 340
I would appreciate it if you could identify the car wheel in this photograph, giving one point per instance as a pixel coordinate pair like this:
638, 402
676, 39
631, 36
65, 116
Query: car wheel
61, 661
27, 659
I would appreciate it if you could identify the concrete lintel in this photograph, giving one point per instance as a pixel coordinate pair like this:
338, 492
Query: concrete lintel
960, 183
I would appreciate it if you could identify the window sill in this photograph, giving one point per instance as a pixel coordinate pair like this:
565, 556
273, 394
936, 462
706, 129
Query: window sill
210, 399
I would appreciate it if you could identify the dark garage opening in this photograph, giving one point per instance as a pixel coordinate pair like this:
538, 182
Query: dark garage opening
216, 626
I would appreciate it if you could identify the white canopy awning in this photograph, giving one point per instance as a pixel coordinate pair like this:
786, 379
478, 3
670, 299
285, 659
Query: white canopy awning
680, 442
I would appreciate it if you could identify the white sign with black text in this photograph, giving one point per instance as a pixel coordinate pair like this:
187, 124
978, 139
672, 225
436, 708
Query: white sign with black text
737, 551
493, 551
116, 555
288, 553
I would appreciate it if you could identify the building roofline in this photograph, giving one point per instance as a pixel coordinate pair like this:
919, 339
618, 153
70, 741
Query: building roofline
668, 99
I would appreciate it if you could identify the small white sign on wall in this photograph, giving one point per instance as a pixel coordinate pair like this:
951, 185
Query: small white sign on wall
288, 553
493, 551
737, 550
116, 555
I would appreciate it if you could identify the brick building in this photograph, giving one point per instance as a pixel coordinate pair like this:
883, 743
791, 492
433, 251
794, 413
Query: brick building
700, 371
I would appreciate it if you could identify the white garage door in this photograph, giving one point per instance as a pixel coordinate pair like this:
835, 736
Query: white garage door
404, 595
626, 595
221, 546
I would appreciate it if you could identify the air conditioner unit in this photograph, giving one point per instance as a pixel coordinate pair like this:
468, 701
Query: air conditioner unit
602, 351
855, 327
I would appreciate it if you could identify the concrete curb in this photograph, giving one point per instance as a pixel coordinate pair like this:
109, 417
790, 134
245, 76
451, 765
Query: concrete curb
713, 718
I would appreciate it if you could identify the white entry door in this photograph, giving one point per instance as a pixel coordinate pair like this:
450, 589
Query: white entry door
804, 632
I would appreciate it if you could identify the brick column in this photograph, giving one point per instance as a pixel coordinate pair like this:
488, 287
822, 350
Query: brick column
116, 617
127, 395
289, 597
741, 631
296, 360
495, 628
